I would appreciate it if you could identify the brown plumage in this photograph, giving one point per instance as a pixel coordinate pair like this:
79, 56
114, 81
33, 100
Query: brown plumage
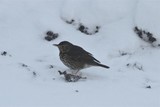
75, 57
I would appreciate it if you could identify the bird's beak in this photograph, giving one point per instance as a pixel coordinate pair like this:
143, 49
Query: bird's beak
55, 45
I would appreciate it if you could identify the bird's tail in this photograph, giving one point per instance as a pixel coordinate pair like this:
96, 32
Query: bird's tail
104, 66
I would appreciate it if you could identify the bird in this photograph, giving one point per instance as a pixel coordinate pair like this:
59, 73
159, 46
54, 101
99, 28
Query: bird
75, 57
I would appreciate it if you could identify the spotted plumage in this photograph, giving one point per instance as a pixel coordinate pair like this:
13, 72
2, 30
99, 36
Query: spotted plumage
75, 57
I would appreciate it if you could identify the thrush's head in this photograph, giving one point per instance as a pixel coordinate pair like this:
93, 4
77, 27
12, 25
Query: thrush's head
64, 46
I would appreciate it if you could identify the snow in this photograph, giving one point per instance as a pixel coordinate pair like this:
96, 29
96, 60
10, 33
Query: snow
27, 79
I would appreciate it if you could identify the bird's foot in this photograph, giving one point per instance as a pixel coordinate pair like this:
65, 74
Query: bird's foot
71, 77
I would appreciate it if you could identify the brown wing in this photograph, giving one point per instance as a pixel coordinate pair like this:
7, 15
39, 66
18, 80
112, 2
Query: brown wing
81, 55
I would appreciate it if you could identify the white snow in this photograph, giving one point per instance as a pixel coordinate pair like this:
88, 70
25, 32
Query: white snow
23, 24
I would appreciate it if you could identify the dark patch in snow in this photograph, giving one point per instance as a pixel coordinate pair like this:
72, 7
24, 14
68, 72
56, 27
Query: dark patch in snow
146, 36
28, 68
51, 35
76, 91
70, 21
51, 66
83, 28
149, 87
123, 53
24, 65
135, 65
87, 31
34, 73
5, 53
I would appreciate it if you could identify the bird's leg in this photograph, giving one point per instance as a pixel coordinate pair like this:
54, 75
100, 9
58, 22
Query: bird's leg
78, 73
75, 72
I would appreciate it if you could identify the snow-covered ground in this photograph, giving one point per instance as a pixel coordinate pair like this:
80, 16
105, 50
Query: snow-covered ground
27, 78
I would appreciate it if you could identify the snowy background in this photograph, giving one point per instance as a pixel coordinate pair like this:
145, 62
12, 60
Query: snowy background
28, 71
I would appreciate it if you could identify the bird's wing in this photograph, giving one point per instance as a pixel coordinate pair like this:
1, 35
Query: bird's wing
82, 55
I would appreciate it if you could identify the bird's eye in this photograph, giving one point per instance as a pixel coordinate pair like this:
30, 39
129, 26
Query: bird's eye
62, 46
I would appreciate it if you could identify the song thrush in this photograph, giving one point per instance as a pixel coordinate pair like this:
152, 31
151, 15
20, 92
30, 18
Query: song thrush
75, 57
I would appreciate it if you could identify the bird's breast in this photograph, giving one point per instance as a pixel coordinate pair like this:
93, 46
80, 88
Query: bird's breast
70, 61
